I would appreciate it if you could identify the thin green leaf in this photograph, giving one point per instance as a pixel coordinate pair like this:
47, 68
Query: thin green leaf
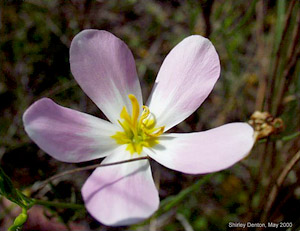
280, 23
172, 201
11, 193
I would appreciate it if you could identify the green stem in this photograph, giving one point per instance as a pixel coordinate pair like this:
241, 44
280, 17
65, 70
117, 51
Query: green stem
59, 204
172, 201
290, 137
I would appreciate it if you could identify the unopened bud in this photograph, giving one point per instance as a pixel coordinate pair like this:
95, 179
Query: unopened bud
19, 221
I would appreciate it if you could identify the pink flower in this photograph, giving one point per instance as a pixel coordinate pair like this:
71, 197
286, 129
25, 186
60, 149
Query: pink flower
104, 67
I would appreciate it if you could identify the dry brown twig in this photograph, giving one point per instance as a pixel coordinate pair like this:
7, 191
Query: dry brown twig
277, 185
45, 182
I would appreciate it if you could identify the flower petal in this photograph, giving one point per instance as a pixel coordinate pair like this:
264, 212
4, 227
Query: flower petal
185, 79
104, 67
66, 134
122, 194
204, 152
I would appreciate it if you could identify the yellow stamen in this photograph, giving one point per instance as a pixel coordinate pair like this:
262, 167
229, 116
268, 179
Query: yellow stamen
135, 110
137, 132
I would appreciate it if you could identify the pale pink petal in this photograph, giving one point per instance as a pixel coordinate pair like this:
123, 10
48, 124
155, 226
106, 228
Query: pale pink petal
104, 67
186, 77
66, 134
121, 194
204, 152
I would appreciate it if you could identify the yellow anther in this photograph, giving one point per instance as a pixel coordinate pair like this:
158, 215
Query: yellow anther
138, 130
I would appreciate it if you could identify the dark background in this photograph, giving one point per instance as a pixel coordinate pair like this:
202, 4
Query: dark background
257, 42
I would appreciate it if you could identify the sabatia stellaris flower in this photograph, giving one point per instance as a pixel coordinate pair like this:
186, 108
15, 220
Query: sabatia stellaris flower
104, 67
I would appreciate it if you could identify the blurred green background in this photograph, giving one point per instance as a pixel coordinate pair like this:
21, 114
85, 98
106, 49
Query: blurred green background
258, 45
